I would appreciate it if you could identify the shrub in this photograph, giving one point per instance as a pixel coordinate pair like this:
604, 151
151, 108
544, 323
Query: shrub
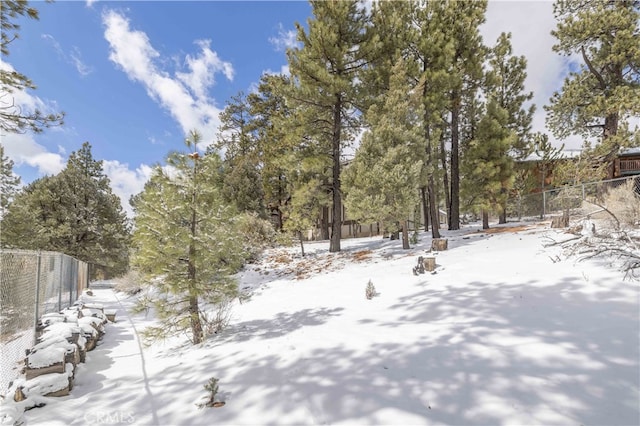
130, 283
624, 203
370, 291
257, 234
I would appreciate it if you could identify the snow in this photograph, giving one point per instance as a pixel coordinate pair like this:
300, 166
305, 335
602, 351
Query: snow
46, 356
501, 333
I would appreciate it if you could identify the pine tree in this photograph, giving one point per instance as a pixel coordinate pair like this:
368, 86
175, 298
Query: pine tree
271, 120
432, 50
505, 82
597, 100
488, 169
9, 182
464, 18
185, 235
381, 182
74, 212
13, 118
325, 73
242, 181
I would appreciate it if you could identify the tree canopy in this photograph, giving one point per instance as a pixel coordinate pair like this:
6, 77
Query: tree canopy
185, 235
74, 212
597, 100
14, 118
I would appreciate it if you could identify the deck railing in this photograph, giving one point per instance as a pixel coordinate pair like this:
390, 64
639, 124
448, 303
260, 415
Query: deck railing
628, 166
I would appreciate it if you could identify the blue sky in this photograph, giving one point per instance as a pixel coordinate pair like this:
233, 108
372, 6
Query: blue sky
133, 77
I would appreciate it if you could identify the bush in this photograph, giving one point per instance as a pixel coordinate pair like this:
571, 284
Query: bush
370, 291
624, 203
130, 283
257, 234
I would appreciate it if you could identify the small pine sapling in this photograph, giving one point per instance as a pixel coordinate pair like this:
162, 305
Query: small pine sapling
212, 388
370, 291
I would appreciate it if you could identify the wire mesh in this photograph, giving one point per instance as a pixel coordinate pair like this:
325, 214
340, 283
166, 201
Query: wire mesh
31, 285
574, 200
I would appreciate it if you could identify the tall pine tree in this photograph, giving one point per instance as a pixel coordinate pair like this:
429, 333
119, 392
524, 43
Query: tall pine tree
464, 19
74, 212
597, 100
488, 167
325, 72
381, 182
505, 83
242, 181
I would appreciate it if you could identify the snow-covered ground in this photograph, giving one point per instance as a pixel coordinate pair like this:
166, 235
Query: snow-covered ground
502, 333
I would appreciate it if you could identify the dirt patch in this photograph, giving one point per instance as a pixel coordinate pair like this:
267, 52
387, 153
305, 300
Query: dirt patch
280, 258
503, 229
362, 255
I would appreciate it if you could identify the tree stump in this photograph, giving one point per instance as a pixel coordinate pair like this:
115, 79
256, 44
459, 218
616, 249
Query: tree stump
429, 263
439, 244
560, 221
19, 395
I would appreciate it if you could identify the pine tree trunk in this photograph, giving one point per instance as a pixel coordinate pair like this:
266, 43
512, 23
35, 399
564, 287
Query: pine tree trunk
445, 178
433, 209
425, 207
194, 316
485, 219
324, 223
301, 243
194, 309
454, 212
405, 235
336, 220
502, 218
610, 129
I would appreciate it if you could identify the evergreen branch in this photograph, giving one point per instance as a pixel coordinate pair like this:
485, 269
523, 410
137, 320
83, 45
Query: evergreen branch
596, 74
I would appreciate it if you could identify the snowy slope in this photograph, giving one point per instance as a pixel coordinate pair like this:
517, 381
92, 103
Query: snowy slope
500, 334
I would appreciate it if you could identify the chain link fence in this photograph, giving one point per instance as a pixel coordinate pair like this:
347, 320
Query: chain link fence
32, 284
575, 200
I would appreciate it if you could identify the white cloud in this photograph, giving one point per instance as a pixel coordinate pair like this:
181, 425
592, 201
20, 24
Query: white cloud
74, 57
202, 68
184, 95
22, 147
126, 182
91, 2
285, 39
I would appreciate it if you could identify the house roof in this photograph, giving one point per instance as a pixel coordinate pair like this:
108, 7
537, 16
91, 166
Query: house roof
629, 152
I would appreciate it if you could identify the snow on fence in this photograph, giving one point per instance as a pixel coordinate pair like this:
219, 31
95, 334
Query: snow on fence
570, 198
32, 284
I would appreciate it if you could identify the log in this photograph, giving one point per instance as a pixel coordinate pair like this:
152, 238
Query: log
31, 373
62, 392
439, 244
429, 263
73, 356
111, 315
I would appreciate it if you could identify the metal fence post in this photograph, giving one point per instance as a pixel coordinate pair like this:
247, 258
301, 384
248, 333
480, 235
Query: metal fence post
37, 314
60, 282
